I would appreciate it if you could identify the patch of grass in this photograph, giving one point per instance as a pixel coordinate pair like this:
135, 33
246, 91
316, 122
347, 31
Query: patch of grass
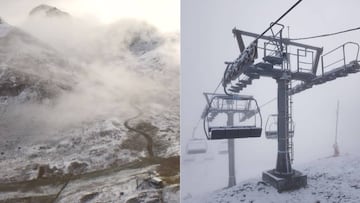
147, 127
172, 180
169, 169
31, 199
88, 197
134, 142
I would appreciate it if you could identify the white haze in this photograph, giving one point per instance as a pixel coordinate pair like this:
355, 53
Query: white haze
207, 42
164, 14
107, 77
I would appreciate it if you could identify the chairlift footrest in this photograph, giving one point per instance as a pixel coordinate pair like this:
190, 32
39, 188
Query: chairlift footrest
273, 60
265, 66
233, 133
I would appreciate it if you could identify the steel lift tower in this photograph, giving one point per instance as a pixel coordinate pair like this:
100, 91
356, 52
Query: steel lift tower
287, 62
301, 66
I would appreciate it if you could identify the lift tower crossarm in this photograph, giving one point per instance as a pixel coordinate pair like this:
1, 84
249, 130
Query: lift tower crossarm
284, 41
277, 66
342, 69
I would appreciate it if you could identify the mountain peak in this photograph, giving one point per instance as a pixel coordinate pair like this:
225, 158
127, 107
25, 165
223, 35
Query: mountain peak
48, 11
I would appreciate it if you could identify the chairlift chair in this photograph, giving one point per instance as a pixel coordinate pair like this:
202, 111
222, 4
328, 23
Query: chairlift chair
196, 146
232, 105
271, 127
223, 147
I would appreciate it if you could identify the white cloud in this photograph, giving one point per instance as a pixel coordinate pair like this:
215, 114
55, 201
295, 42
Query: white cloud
165, 14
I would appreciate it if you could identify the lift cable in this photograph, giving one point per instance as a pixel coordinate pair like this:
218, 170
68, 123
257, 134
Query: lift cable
283, 15
194, 129
245, 54
268, 102
326, 35
271, 100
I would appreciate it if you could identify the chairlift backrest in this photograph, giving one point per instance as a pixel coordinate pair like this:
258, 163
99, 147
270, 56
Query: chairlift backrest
196, 146
247, 124
223, 147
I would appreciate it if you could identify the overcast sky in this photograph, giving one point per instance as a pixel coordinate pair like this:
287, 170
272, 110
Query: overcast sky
165, 14
207, 41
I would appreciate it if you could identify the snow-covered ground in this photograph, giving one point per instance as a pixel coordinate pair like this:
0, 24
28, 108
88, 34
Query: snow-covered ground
332, 179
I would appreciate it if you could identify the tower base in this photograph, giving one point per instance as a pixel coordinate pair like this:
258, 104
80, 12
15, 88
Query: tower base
288, 182
232, 182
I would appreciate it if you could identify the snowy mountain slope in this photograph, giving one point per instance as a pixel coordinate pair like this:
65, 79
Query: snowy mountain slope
26, 61
31, 74
63, 109
4, 28
47, 11
334, 179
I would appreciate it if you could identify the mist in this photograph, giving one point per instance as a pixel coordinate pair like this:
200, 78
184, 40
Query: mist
207, 42
106, 71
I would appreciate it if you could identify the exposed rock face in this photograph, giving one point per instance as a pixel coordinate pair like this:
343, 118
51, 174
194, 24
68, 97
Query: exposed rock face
48, 11
88, 197
77, 168
45, 171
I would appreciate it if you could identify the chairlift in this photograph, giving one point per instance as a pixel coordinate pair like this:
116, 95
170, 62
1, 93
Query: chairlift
188, 159
271, 127
196, 146
223, 147
247, 124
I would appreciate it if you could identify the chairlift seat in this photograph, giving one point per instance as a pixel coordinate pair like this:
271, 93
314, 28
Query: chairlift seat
342, 73
271, 134
274, 134
319, 80
274, 60
265, 66
352, 70
223, 148
196, 146
234, 132
253, 75
330, 78
196, 151
248, 82
238, 85
225, 151
234, 90
235, 87
240, 105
